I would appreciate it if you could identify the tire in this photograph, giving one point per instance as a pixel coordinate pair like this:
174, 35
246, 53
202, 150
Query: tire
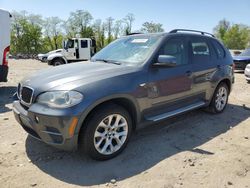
220, 99
99, 138
58, 62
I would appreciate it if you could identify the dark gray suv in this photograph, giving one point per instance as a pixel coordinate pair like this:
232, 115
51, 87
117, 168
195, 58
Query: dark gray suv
134, 81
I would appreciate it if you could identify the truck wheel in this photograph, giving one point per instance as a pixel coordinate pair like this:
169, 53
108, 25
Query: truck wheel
58, 62
106, 133
219, 100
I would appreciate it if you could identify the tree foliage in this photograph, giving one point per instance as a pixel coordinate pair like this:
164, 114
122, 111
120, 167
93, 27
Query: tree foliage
151, 27
26, 34
234, 36
32, 34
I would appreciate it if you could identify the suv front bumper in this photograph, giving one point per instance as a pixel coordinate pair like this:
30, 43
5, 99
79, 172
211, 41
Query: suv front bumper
53, 130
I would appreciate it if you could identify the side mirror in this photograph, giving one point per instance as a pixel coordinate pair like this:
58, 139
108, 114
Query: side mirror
166, 61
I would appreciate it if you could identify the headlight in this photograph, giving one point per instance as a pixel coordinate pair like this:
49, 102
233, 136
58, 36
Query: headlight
60, 99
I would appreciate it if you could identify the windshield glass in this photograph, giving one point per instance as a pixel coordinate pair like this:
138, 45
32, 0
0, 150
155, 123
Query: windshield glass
130, 50
245, 52
70, 44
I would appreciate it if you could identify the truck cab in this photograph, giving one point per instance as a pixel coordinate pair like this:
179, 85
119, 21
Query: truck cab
74, 50
5, 19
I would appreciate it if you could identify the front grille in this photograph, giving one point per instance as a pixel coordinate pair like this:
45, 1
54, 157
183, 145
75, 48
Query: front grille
25, 94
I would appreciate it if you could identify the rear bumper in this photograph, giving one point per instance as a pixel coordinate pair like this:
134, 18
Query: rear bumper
240, 65
53, 130
3, 73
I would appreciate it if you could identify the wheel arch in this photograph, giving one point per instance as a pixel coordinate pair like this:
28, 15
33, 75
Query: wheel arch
61, 58
127, 102
227, 82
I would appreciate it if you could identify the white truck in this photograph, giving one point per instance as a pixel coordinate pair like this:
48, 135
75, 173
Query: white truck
75, 49
5, 20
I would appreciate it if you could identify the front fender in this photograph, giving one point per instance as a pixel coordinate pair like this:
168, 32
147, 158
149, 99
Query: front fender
57, 55
106, 99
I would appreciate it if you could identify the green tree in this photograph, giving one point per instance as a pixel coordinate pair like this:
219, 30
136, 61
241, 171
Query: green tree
237, 37
99, 31
151, 27
79, 22
26, 34
109, 28
222, 28
53, 32
128, 20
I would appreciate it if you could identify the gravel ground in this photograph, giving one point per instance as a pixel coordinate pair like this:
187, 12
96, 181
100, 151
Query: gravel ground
193, 150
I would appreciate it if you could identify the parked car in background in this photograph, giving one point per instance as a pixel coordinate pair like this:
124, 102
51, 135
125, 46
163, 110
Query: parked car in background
43, 57
5, 18
247, 73
134, 81
242, 60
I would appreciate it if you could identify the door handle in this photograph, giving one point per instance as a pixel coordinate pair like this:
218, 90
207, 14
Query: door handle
188, 73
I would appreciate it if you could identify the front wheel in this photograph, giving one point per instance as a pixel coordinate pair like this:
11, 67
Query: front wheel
106, 133
220, 99
58, 62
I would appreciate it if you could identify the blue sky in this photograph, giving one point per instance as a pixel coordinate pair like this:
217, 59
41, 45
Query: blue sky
192, 14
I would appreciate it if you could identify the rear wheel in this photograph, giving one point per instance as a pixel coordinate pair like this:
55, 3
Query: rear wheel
220, 99
106, 133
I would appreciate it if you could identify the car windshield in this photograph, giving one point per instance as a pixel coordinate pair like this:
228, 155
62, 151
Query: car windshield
245, 52
128, 50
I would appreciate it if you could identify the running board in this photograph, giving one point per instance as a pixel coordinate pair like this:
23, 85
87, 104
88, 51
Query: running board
176, 112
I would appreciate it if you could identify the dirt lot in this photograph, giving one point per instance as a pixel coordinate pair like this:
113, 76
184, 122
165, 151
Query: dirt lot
195, 150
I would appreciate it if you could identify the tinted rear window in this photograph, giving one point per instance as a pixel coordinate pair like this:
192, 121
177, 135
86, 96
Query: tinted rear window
219, 49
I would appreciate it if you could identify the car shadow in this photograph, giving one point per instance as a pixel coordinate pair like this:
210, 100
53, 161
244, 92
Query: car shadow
146, 148
6, 97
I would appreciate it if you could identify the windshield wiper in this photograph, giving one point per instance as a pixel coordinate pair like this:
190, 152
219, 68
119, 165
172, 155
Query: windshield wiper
108, 61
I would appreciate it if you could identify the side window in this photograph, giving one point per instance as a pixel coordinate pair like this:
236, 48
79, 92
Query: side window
84, 44
200, 51
176, 48
219, 49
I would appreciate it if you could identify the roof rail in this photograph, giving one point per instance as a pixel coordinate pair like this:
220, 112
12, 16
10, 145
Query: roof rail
193, 31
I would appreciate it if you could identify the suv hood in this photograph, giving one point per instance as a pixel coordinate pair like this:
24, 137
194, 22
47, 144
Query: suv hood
71, 76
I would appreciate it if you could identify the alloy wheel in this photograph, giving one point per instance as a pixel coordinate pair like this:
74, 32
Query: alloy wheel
111, 134
221, 98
